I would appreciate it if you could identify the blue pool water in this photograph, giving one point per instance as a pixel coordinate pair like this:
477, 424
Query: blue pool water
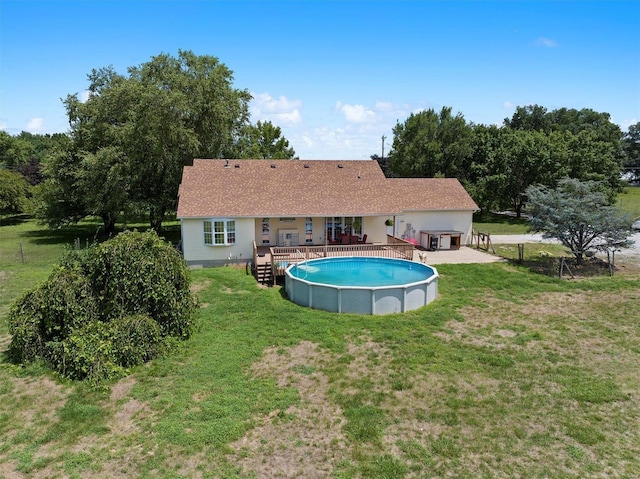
361, 271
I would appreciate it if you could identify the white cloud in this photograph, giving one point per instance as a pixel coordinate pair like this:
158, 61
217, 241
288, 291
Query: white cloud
358, 136
84, 96
507, 104
546, 42
356, 113
385, 106
3, 126
35, 125
281, 111
625, 124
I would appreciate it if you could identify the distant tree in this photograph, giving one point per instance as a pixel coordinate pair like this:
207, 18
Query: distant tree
592, 159
264, 140
579, 216
484, 176
32, 171
431, 144
631, 145
586, 119
14, 151
27, 152
385, 165
14, 192
537, 118
59, 200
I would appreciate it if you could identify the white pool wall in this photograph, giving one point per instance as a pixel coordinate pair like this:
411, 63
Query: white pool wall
362, 299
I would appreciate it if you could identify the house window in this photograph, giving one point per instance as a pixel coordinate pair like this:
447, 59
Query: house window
356, 224
337, 227
308, 230
351, 225
266, 231
219, 232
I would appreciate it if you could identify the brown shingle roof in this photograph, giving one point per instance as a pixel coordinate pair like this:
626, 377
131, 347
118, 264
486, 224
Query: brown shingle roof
266, 188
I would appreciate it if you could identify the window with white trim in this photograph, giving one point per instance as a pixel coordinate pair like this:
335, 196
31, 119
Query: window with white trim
219, 232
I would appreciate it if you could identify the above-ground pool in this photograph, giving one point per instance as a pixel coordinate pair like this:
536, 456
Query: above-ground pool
363, 285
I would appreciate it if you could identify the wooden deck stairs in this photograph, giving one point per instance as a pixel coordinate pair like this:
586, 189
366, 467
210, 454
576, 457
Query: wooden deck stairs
264, 274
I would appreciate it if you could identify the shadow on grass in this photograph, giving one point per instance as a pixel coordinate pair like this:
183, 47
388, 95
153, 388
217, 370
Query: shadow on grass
93, 232
13, 220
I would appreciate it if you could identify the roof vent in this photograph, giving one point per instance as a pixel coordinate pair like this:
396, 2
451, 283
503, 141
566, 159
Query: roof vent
237, 165
226, 163
273, 165
306, 166
340, 165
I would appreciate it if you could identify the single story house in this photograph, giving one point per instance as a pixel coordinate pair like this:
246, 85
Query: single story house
228, 208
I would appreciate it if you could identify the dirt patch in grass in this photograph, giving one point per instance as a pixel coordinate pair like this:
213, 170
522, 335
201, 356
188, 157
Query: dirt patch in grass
122, 388
306, 440
198, 286
40, 399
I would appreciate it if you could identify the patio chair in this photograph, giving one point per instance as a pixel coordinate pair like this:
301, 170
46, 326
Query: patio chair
363, 240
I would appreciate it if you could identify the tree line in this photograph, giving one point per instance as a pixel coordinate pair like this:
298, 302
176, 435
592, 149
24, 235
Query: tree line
130, 138
498, 163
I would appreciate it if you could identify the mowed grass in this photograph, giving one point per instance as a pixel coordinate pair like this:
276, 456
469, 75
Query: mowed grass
629, 201
496, 224
508, 374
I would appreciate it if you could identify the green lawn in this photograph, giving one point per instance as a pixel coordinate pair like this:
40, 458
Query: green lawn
495, 224
507, 374
629, 201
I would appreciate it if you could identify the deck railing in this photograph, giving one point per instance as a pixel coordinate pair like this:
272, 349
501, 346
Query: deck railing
283, 256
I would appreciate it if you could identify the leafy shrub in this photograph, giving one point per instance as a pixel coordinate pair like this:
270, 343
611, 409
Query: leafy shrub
99, 351
87, 353
138, 273
27, 343
66, 303
106, 310
136, 339
49, 313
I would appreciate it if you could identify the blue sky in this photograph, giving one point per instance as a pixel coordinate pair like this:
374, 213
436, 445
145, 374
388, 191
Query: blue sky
335, 75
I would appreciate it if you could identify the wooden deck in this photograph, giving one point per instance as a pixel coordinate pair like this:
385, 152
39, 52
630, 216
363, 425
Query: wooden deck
271, 261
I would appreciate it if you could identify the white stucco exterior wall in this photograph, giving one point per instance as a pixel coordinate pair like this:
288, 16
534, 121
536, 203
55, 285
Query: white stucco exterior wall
195, 251
436, 221
372, 226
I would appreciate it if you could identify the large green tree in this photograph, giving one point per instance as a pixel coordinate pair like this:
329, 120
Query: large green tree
264, 140
578, 214
594, 140
431, 144
520, 159
138, 131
